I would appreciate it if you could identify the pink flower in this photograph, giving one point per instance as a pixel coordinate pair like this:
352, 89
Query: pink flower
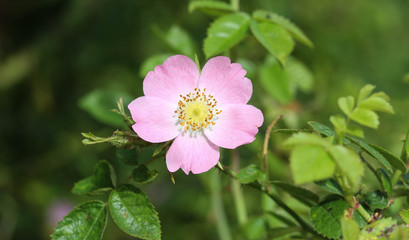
201, 111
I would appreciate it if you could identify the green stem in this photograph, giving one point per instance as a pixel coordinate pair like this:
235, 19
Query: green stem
395, 177
239, 203
353, 202
218, 209
235, 4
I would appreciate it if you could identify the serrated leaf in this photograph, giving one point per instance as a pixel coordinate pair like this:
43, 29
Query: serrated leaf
99, 103
376, 200
263, 15
302, 194
396, 162
275, 81
373, 152
274, 38
302, 138
348, 163
381, 229
133, 213
310, 163
346, 104
404, 214
86, 221
326, 218
365, 117
331, 186
101, 181
248, 174
213, 8
225, 32
142, 174
153, 61
365, 92
377, 104
349, 228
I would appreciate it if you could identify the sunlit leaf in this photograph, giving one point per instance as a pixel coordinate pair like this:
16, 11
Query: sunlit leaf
355, 131
382, 228
133, 213
310, 163
404, 214
365, 92
86, 221
377, 104
213, 8
274, 38
349, 228
365, 117
396, 162
346, 104
306, 139
296, 32
225, 32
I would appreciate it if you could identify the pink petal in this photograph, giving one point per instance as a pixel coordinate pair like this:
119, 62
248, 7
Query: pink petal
194, 154
178, 75
237, 125
154, 120
225, 81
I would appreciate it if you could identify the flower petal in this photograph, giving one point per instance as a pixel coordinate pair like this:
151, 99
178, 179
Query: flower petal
178, 75
237, 125
154, 120
196, 154
225, 81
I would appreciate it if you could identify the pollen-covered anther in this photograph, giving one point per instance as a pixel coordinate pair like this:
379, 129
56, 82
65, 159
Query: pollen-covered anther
196, 110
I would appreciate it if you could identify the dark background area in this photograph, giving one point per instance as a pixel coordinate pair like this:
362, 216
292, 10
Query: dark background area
53, 53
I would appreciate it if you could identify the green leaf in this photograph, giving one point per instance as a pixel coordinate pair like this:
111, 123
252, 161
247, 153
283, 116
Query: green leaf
310, 163
249, 174
279, 232
99, 103
255, 228
380, 229
127, 156
346, 104
160, 148
302, 194
133, 213
355, 131
274, 38
365, 92
101, 181
150, 63
396, 162
180, 41
349, 228
143, 174
373, 152
377, 104
299, 75
405, 149
302, 138
404, 214
348, 163
338, 122
386, 182
263, 15
275, 81
213, 8
326, 218
324, 130
376, 200
331, 186
225, 32
86, 221
365, 117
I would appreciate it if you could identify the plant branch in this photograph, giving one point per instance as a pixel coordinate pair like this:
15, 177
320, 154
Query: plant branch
265, 146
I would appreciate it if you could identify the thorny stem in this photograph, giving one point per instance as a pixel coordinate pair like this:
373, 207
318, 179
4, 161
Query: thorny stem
237, 192
275, 198
265, 146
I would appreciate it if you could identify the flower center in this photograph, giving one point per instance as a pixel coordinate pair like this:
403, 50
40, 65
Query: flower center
197, 110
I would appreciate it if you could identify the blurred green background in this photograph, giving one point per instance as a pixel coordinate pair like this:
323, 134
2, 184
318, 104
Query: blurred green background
64, 63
